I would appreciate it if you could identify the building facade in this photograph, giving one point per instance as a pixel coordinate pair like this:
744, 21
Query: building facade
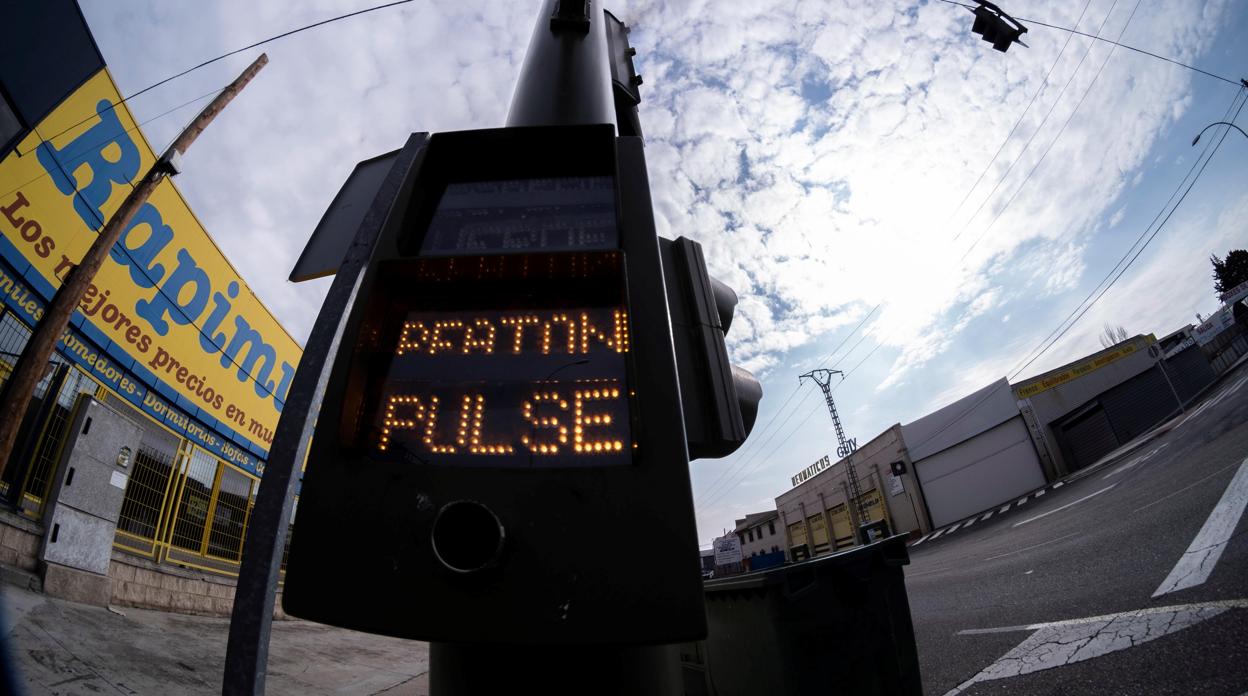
819, 516
1087, 408
168, 331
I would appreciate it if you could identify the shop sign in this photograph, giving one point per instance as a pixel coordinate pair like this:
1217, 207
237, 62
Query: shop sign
1031, 388
166, 309
811, 470
1235, 294
727, 550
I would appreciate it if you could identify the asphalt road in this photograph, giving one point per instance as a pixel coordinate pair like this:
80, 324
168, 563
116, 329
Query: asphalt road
1091, 554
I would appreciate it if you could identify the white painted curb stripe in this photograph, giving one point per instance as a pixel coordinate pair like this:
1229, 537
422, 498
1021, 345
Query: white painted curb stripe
1058, 485
986, 516
1196, 564
1050, 512
1039, 493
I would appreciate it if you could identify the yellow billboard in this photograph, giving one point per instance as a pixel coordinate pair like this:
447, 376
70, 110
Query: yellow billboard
167, 323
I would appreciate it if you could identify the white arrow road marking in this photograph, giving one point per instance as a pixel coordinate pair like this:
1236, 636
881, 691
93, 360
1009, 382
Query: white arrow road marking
1050, 512
1061, 643
1200, 558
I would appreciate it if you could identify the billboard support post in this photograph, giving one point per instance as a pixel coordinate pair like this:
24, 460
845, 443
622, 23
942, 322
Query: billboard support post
31, 365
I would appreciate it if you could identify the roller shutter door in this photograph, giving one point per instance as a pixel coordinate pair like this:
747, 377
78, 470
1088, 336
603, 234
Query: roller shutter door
1087, 437
980, 472
1138, 404
1190, 371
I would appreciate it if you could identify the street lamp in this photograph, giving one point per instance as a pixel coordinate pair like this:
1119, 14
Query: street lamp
1218, 123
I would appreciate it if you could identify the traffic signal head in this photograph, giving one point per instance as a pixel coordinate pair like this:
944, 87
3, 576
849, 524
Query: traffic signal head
996, 27
719, 399
500, 455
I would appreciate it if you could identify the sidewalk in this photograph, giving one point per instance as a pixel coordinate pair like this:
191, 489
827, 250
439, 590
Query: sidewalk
70, 649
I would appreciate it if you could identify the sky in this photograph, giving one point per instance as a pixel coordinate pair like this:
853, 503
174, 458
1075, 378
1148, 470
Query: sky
828, 156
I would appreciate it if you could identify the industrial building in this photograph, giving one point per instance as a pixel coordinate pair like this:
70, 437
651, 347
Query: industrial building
169, 343
972, 454
1004, 440
821, 515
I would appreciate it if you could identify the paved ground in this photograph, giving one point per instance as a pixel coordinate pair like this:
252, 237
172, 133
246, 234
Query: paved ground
1130, 580
71, 649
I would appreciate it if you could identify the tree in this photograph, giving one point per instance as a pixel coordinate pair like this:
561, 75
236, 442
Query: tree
1231, 271
1112, 335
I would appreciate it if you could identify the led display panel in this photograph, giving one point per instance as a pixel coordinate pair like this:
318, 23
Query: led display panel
504, 361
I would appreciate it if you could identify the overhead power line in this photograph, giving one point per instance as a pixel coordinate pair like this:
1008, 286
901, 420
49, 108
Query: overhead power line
1127, 257
1060, 132
759, 436
745, 472
1043, 83
1172, 61
1144, 246
236, 51
741, 464
1052, 107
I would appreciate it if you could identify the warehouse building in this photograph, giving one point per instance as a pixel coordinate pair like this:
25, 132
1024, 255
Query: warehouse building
819, 514
1083, 410
168, 337
973, 454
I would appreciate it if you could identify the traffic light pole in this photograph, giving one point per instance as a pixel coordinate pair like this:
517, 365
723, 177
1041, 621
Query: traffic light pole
247, 651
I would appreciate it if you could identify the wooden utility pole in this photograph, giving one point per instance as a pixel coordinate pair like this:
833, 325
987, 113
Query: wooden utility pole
38, 351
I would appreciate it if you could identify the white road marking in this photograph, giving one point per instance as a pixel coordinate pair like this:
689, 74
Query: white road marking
1214, 401
1058, 485
1062, 643
954, 528
938, 533
1202, 556
1138, 460
921, 539
1034, 546
1004, 507
968, 523
1020, 501
1189, 486
986, 515
1050, 512
1039, 493
1148, 611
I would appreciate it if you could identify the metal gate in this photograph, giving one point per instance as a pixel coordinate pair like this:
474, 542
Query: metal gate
1087, 437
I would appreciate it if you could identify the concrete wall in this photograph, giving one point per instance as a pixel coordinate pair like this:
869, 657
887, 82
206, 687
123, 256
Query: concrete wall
135, 582
872, 461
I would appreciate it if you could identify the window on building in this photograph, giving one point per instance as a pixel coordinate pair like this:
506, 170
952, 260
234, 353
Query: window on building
772, 526
775, 549
749, 533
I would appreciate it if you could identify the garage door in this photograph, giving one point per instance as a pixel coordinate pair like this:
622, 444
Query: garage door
986, 470
1087, 438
